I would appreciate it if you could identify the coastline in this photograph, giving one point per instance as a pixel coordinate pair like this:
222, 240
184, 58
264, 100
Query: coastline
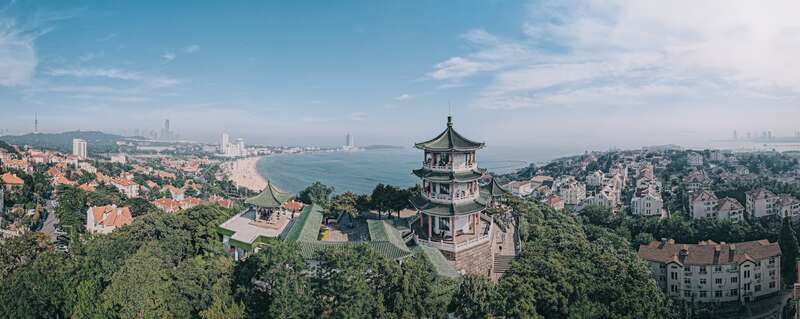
243, 173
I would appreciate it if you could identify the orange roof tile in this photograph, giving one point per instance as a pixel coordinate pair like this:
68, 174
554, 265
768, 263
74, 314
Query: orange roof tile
11, 179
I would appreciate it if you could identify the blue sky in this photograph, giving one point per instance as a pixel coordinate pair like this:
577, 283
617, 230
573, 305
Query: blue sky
301, 72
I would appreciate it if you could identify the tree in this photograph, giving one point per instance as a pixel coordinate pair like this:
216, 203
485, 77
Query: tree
139, 206
346, 204
273, 283
316, 193
474, 298
142, 288
789, 252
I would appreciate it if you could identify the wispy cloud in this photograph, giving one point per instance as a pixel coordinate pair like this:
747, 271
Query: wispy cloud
402, 97
106, 37
639, 53
191, 48
18, 58
358, 116
168, 56
117, 74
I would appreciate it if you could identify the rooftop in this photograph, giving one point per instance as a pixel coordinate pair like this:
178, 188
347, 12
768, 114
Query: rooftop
449, 140
708, 252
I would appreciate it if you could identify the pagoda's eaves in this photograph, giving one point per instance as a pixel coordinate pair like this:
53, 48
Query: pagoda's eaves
449, 140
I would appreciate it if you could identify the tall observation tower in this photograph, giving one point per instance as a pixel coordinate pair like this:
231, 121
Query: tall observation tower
450, 207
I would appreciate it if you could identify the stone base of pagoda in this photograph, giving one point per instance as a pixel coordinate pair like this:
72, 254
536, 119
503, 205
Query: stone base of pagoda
476, 260
468, 252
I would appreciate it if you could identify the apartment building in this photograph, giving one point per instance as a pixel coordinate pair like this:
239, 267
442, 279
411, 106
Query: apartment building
696, 180
761, 202
647, 201
715, 272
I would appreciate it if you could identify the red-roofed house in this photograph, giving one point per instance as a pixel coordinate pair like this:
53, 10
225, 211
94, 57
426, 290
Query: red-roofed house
104, 219
11, 180
190, 202
126, 186
168, 205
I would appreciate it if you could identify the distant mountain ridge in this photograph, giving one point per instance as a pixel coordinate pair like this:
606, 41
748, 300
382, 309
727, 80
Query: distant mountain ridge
97, 142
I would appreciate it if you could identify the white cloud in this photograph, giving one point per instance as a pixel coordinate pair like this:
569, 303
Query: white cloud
117, 74
634, 52
169, 56
402, 97
358, 116
18, 59
191, 48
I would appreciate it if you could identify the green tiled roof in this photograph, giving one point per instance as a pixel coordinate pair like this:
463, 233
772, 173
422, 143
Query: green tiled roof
435, 176
306, 226
384, 238
494, 189
441, 265
449, 140
381, 231
444, 210
271, 197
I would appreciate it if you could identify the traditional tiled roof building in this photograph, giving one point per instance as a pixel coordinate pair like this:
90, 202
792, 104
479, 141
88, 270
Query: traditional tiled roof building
450, 206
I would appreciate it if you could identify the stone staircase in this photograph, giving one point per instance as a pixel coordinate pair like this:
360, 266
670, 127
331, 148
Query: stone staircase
502, 263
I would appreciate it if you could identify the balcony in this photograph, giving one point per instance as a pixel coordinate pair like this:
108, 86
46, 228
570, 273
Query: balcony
438, 166
443, 198
460, 241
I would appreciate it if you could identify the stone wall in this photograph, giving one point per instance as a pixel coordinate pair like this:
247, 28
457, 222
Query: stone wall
477, 260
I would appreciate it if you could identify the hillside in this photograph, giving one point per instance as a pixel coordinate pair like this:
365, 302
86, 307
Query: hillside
98, 142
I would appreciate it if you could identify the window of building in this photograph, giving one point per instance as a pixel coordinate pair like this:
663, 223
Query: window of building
771, 260
687, 268
674, 288
734, 280
702, 293
734, 292
746, 274
771, 284
758, 275
718, 281
717, 268
702, 281
718, 293
758, 288
703, 269
673, 276
687, 293
747, 286
687, 281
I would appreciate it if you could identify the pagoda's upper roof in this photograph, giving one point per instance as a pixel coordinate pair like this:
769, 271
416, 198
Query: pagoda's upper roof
493, 189
270, 197
449, 140
451, 209
436, 176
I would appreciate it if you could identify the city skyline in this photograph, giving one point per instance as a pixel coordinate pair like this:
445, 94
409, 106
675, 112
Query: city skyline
514, 72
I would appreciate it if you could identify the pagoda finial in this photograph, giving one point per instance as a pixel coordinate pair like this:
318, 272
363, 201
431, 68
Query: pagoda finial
449, 114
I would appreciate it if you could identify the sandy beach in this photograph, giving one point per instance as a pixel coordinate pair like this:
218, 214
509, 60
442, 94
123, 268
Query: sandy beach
243, 173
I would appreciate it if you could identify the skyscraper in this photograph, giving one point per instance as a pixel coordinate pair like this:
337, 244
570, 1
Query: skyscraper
166, 134
224, 142
79, 148
348, 142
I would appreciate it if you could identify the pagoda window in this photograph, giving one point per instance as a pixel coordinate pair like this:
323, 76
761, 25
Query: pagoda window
444, 189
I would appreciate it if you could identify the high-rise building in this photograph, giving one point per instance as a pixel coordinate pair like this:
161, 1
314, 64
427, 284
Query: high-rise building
735, 135
450, 205
349, 144
166, 134
79, 148
224, 142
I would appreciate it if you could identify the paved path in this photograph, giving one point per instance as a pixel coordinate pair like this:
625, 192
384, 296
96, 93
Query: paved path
49, 225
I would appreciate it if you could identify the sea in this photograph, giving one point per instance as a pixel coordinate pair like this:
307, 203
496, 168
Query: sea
360, 170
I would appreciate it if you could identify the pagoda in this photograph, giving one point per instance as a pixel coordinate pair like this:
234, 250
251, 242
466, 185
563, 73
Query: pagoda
450, 206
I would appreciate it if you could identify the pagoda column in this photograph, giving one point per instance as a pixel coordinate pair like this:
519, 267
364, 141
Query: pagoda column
430, 225
453, 228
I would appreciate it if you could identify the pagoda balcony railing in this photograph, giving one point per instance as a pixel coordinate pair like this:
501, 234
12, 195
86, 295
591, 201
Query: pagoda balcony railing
449, 166
446, 198
450, 245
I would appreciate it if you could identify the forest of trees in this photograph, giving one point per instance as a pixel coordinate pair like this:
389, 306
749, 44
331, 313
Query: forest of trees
174, 266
